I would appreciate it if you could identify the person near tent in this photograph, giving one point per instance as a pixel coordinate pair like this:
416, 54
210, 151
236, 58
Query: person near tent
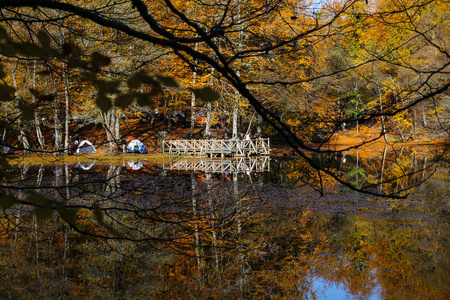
72, 146
53, 141
143, 149
124, 144
42, 142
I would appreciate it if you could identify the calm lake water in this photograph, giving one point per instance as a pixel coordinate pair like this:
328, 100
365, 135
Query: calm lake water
229, 229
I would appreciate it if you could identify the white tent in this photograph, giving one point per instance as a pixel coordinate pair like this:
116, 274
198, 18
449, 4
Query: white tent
135, 166
134, 146
86, 165
86, 147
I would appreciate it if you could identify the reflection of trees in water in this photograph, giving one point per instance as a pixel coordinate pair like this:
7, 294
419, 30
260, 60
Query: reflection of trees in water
391, 172
180, 234
251, 253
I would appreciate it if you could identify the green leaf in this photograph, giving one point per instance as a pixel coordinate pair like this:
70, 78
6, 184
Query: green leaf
38, 200
70, 49
156, 89
42, 97
206, 94
124, 100
98, 213
2, 73
167, 80
99, 216
44, 212
43, 38
3, 33
74, 63
46, 98
44, 208
133, 82
44, 72
4, 163
88, 76
7, 201
145, 78
4, 125
8, 49
27, 111
108, 87
6, 92
144, 99
99, 60
30, 50
68, 214
103, 102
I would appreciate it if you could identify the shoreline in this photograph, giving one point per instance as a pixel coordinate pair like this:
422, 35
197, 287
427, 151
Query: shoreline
369, 149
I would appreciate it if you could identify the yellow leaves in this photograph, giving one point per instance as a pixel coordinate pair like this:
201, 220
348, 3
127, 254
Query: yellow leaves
403, 120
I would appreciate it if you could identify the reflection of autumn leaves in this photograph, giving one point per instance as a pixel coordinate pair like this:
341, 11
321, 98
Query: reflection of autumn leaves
271, 249
255, 253
289, 245
278, 253
301, 172
378, 251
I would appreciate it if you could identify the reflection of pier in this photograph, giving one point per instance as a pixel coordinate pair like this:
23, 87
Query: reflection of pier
239, 165
211, 148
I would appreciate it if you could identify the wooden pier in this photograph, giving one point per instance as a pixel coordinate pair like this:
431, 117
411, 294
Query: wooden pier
221, 148
236, 165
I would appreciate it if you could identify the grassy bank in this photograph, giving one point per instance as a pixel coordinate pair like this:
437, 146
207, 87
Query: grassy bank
48, 159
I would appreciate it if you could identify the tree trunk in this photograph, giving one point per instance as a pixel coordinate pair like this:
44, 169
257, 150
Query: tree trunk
234, 121
235, 111
111, 119
169, 121
208, 107
25, 142
424, 118
382, 168
259, 125
111, 123
196, 227
208, 118
14, 79
194, 81
67, 110
57, 123
383, 126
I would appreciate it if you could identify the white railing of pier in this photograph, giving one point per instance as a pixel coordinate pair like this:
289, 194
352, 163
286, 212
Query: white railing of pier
260, 146
239, 165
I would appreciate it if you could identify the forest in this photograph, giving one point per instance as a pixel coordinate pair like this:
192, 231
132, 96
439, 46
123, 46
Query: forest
299, 69
372, 219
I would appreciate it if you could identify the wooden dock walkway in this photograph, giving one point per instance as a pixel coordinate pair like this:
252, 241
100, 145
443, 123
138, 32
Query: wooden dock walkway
221, 148
235, 165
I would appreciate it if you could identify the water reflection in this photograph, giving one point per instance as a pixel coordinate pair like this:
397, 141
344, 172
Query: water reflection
183, 231
86, 165
389, 171
135, 165
223, 166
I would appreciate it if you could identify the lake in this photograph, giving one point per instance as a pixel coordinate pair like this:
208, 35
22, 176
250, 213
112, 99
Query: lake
254, 228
